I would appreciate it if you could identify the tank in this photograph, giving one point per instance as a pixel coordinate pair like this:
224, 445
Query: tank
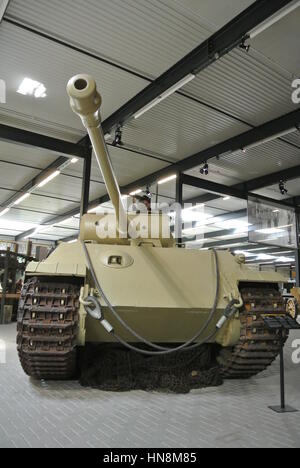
139, 289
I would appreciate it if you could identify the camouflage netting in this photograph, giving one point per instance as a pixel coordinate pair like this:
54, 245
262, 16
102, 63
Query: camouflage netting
117, 369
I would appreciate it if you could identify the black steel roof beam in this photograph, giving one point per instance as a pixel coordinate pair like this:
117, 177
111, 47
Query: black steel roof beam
211, 50
231, 191
255, 135
17, 135
204, 184
268, 180
233, 144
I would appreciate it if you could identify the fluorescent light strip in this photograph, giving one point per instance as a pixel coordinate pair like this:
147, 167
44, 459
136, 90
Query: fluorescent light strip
136, 192
22, 198
167, 179
3, 6
269, 139
41, 184
48, 179
4, 212
165, 95
274, 19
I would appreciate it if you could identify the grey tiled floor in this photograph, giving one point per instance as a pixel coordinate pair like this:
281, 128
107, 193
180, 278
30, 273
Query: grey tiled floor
54, 414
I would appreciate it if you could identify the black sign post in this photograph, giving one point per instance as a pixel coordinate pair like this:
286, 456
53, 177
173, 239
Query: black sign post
282, 324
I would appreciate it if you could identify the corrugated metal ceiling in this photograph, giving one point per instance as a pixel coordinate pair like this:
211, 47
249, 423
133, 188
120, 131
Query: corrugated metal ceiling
152, 29
273, 43
148, 37
246, 85
25, 155
179, 127
22, 54
11, 178
265, 159
128, 166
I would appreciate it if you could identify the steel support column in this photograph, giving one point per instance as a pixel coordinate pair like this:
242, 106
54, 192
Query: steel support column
4, 286
179, 206
297, 252
85, 194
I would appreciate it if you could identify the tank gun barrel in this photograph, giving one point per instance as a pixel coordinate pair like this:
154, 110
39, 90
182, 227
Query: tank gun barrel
85, 101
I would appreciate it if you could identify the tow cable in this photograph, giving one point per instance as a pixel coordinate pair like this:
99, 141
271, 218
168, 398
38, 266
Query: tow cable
94, 309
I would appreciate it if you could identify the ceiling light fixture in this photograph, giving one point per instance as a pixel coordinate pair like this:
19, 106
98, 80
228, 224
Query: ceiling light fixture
22, 198
285, 259
239, 226
274, 19
118, 137
3, 6
265, 257
270, 231
226, 198
167, 179
30, 87
205, 169
195, 207
282, 188
74, 160
268, 139
3, 212
136, 192
165, 95
48, 179
44, 227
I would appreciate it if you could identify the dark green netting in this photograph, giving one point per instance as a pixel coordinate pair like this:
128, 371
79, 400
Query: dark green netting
113, 368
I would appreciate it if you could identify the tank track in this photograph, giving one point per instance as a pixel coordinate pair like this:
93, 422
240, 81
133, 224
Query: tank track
258, 347
47, 328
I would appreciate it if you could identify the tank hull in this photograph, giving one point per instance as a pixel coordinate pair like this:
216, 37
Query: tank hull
163, 294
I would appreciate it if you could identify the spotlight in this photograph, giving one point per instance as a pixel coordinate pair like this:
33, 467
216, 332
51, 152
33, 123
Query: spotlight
282, 187
205, 169
244, 46
148, 193
118, 137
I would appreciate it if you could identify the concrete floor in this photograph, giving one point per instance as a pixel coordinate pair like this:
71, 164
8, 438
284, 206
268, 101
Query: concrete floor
54, 414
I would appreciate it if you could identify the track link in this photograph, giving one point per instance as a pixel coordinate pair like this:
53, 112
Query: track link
258, 347
47, 328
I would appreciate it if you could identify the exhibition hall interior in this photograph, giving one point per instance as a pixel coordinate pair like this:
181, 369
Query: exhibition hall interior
149, 226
